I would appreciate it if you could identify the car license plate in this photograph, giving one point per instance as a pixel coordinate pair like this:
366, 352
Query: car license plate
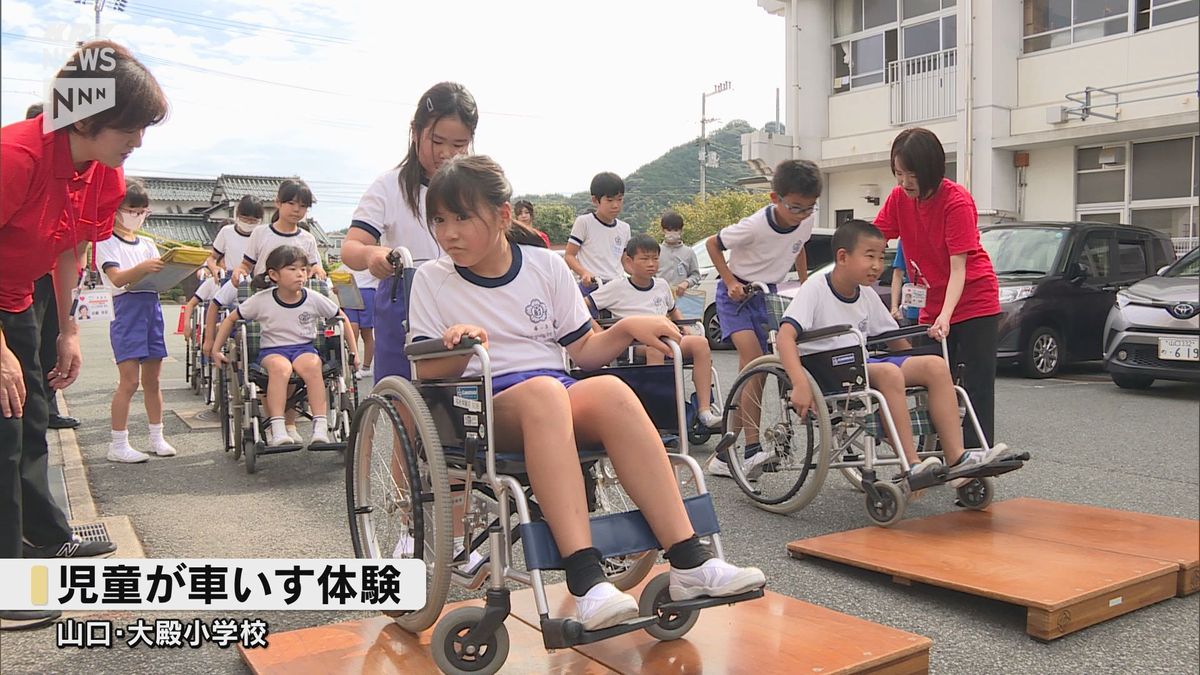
1179, 349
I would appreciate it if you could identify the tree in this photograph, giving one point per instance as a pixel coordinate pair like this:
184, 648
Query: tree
703, 219
555, 219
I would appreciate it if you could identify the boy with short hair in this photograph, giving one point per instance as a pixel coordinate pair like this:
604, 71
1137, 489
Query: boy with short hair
598, 238
844, 296
677, 261
763, 248
643, 294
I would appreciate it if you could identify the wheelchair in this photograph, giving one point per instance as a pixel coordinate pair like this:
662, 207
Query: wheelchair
421, 462
243, 384
198, 369
852, 430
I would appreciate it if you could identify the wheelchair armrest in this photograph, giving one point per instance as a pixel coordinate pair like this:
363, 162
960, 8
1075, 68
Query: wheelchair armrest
898, 334
819, 333
435, 349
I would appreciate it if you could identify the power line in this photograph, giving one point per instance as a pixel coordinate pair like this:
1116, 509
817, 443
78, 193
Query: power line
228, 25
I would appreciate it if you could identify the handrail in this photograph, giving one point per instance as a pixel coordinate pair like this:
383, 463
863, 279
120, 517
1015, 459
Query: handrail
1085, 108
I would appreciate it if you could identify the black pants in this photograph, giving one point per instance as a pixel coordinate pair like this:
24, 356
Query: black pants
27, 508
47, 304
972, 350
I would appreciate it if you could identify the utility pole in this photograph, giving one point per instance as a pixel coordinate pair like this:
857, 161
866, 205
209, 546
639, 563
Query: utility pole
98, 6
704, 120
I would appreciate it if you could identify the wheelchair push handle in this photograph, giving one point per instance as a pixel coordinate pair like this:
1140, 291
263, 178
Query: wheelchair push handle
400, 258
435, 348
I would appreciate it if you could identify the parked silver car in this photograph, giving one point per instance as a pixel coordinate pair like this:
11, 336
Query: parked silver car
1153, 332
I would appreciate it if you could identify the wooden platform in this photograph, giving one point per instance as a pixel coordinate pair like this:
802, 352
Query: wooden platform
1070, 566
772, 634
1141, 534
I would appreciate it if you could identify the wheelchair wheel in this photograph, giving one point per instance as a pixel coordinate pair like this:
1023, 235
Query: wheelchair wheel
798, 449
977, 494
395, 511
450, 655
671, 625
888, 509
624, 572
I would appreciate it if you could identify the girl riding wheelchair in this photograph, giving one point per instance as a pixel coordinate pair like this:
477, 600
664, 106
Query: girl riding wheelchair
506, 312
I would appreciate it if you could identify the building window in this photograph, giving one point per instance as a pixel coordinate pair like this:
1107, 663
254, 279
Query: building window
1152, 14
871, 35
1055, 23
1154, 184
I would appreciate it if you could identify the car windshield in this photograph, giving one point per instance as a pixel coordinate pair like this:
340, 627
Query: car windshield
702, 257
1187, 266
1023, 250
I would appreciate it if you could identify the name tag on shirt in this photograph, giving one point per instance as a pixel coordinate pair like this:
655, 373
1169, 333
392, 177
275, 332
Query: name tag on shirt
93, 304
913, 295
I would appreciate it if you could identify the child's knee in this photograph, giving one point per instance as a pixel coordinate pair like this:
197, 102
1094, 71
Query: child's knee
886, 375
696, 347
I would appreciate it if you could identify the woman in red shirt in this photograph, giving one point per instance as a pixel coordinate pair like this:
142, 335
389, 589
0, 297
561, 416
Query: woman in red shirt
59, 191
937, 220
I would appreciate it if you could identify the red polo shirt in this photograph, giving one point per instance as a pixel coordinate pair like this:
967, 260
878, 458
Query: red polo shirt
933, 230
46, 206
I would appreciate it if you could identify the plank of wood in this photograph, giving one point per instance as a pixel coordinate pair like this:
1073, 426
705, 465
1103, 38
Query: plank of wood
1140, 534
1049, 625
958, 551
377, 646
751, 637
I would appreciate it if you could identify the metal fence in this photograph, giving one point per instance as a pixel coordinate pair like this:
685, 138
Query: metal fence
924, 87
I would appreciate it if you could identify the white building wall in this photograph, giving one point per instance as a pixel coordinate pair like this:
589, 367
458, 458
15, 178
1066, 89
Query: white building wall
843, 190
1050, 184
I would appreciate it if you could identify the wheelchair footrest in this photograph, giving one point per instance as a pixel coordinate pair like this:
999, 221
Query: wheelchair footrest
1000, 466
567, 633
264, 449
696, 604
326, 447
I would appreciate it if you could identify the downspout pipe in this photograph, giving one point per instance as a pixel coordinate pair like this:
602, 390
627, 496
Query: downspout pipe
968, 141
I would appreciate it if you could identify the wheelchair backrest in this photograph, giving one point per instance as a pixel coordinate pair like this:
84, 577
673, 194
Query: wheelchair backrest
837, 370
457, 409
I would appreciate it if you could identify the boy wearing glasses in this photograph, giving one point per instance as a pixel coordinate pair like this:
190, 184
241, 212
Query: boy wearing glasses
762, 248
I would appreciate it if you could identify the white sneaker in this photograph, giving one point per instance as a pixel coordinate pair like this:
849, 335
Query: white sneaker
275, 441
975, 459
715, 578
320, 435
752, 465
364, 373
710, 419
126, 454
927, 464
604, 606
404, 549
294, 434
162, 448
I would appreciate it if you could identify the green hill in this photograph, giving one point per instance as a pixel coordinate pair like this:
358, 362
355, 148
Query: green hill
672, 178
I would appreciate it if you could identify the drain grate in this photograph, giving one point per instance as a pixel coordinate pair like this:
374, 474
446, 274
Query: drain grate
92, 532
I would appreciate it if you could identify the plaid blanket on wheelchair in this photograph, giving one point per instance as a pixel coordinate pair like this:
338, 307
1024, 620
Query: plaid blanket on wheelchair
918, 416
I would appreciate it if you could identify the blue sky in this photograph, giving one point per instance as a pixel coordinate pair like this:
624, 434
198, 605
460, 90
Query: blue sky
325, 89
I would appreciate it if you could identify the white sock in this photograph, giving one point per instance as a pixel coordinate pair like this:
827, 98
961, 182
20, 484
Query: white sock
318, 422
277, 427
156, 433
120, 437
292, 431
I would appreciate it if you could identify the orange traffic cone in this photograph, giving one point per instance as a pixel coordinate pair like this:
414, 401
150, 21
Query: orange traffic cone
182, 320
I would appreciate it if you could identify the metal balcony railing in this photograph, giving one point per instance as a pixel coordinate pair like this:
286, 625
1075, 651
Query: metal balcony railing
923, 87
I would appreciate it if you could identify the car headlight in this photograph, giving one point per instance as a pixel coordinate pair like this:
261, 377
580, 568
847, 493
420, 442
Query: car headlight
1014, 293
1124, 297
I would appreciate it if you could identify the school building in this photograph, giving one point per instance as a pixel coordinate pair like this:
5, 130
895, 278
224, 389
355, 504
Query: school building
195, 209
1048, 109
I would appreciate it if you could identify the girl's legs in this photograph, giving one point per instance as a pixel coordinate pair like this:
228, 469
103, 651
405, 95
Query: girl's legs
152, 394
308, 367
933, 373
279, 371
973, 343
119, 449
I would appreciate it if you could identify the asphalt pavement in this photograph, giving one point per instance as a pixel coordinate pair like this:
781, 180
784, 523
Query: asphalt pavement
1091, 442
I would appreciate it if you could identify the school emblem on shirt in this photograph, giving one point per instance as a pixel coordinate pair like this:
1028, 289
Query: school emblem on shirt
306, 318
862, 326
796, 247
537, 311
618, 247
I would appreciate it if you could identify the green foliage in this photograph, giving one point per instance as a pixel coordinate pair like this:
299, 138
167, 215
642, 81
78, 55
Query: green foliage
555, 219
703, 219
652, 188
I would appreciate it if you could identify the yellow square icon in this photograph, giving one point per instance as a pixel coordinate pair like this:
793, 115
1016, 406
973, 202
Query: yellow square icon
39, 584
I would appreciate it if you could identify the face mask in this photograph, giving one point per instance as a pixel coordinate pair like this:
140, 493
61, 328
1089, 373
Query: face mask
673, 238
132, 222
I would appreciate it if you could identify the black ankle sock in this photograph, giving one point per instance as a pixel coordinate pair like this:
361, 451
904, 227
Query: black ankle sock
688, 554
583, 571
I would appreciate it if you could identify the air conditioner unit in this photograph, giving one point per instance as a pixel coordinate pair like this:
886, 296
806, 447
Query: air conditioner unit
1112, 155
1056, 114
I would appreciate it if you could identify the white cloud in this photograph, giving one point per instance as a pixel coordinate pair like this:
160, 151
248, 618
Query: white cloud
565, 91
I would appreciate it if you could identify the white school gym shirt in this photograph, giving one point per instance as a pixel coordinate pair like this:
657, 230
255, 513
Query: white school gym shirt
230, 243
760, 250
530, 313
601, 245
384, 213
124, 254
624, 298
265, 239
817, 305
284, 324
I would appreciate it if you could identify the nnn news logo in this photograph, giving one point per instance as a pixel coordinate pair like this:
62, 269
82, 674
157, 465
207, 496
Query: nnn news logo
71, 99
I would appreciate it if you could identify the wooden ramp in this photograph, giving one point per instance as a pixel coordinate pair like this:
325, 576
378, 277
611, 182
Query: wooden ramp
773, 634
1070, 566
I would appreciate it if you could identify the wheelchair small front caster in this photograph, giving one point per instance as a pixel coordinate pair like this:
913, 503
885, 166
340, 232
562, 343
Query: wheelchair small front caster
671, 625
451, 655
977, 494
888, 508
